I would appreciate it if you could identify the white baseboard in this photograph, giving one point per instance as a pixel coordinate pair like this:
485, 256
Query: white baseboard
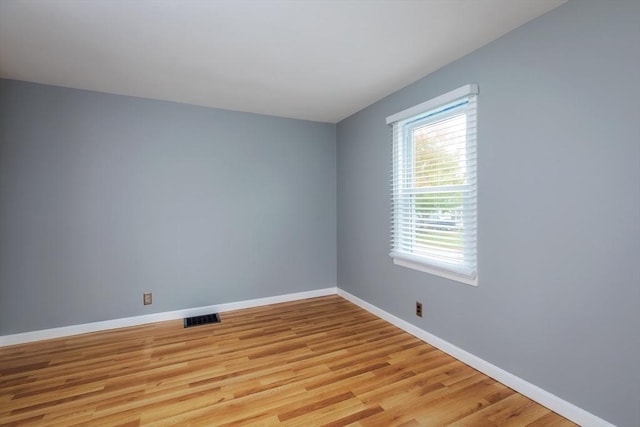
549, 400
65, 331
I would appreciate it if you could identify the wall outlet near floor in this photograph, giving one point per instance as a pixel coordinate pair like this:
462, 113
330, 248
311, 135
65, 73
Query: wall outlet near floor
418, 309
146, 298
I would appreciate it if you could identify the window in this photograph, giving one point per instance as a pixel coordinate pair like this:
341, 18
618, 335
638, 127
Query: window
434, 186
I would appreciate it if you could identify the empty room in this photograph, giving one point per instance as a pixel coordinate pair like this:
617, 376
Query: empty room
320, 213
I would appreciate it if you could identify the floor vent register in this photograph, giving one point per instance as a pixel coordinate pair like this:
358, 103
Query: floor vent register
205, 319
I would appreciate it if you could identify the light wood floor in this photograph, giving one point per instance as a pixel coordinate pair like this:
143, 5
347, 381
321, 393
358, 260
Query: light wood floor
321, 361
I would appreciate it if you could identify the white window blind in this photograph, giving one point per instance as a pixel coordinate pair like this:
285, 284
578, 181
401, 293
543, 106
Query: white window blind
434, 186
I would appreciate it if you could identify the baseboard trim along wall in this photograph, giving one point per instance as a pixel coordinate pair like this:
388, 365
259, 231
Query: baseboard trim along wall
549, 400
533, 392
65, 331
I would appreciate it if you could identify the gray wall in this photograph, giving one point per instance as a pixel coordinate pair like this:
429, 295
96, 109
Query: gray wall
103, 197
559, 208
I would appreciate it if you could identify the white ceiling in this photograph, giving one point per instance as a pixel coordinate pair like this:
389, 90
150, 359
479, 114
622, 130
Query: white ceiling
319, 60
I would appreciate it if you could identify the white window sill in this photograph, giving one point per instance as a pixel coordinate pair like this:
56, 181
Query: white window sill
436, 271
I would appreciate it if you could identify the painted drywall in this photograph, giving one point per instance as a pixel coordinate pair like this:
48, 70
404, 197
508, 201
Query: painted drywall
104, 197
558, 301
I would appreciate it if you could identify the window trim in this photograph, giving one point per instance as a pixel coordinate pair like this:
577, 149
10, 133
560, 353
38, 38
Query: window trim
417, 262
433, 103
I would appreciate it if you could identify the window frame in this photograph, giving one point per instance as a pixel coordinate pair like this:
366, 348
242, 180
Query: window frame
432, 111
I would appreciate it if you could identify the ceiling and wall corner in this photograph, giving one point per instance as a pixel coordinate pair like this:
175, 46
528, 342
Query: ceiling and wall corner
314, 60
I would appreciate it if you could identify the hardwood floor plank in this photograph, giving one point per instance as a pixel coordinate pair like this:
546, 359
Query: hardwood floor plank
321, 361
